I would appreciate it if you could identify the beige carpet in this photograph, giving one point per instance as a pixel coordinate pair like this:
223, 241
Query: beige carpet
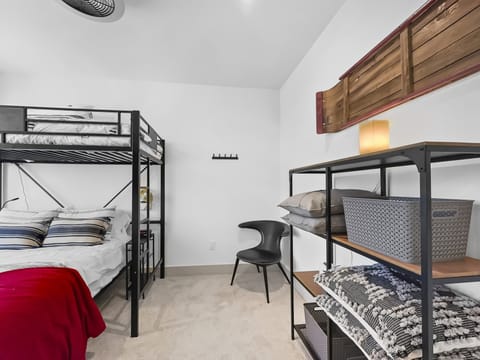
201, 317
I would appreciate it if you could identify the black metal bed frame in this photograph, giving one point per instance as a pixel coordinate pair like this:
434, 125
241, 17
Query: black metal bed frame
14, 120
421, 155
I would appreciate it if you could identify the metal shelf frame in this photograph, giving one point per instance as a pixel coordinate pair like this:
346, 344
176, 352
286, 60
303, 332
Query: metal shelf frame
421, 155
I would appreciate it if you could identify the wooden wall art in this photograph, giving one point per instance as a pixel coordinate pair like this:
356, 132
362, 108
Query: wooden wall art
437, 45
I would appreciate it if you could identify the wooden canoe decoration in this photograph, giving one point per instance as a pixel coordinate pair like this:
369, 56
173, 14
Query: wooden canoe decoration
437, 45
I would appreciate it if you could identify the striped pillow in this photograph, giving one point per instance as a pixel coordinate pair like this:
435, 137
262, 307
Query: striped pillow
76, 232
26, 235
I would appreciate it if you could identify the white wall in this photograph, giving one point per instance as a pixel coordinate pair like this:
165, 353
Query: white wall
448, 114
206, 199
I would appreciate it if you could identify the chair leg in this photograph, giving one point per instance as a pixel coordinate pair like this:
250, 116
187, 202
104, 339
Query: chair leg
266, 283
284, 273
258, 269
234, 270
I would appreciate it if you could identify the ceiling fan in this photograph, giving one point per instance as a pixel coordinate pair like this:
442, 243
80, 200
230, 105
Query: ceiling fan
100, 10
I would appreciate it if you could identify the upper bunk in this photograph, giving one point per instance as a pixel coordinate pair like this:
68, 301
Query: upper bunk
34, 134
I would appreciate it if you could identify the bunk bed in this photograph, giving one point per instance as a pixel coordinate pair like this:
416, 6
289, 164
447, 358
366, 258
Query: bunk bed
428, 275
55, 135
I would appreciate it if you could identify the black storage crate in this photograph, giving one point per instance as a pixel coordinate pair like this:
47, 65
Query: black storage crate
316, 333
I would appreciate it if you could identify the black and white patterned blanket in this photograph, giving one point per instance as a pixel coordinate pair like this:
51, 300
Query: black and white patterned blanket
389, 309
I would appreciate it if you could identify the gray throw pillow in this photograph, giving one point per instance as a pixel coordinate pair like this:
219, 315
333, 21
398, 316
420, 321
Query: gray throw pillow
313, 203
316, 225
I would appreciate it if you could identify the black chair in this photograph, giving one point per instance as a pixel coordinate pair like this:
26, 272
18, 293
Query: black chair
267, 252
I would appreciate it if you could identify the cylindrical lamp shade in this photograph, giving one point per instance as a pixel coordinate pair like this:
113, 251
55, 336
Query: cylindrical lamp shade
374, 135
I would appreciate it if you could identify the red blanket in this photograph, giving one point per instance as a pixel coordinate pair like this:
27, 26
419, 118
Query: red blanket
46, 313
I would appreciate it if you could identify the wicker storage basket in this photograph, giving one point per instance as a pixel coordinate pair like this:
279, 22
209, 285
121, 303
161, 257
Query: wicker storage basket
391, 226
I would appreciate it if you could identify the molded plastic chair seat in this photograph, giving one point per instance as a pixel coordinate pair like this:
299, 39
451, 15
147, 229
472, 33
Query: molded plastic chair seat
267, 252
259, 257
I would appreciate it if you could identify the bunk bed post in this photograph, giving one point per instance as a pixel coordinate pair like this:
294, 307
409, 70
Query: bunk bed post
162, 212
148, 225
1, 183
426, 254
292, 317
135, 271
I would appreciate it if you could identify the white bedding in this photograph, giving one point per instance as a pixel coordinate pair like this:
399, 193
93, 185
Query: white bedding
97, 265
79, 140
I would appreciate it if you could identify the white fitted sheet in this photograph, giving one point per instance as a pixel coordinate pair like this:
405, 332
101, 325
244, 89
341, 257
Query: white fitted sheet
79, 140
98, 265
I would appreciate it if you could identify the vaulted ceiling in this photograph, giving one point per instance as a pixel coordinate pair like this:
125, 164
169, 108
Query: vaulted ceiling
244, 43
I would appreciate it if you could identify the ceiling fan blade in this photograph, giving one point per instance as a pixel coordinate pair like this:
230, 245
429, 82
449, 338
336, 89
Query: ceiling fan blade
96, 8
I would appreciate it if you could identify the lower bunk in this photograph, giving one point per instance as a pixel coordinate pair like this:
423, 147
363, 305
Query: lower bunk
98, 265
52, 265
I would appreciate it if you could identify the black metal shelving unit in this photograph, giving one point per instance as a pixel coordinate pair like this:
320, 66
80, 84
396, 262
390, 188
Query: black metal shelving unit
422, 156
14, 120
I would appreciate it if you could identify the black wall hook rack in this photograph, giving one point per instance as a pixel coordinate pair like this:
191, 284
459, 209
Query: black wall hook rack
224, 157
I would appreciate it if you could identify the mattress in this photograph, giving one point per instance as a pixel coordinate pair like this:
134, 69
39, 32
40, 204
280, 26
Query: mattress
98, 265
79, 140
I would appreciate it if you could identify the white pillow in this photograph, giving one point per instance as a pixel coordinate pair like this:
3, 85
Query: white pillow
60, 127
87, 213
62, 115
18, 216
98, 129
75, 128
119, 226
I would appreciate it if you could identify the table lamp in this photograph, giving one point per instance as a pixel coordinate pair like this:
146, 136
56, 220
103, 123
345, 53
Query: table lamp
374, 135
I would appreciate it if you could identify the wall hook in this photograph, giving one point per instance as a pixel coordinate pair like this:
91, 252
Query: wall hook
224, 157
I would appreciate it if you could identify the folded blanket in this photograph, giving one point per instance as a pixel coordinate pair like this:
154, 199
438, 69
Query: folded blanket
46, 314
389, 308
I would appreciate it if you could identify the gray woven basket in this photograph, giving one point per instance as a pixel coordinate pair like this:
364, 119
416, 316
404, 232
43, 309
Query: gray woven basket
391, 226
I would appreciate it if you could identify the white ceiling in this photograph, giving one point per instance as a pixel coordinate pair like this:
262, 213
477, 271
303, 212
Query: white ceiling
244, 43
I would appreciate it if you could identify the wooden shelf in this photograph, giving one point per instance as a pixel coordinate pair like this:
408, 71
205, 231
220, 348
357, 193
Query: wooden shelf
440, 270
306, 279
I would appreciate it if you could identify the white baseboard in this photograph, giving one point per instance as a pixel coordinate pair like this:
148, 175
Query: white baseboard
221, 269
